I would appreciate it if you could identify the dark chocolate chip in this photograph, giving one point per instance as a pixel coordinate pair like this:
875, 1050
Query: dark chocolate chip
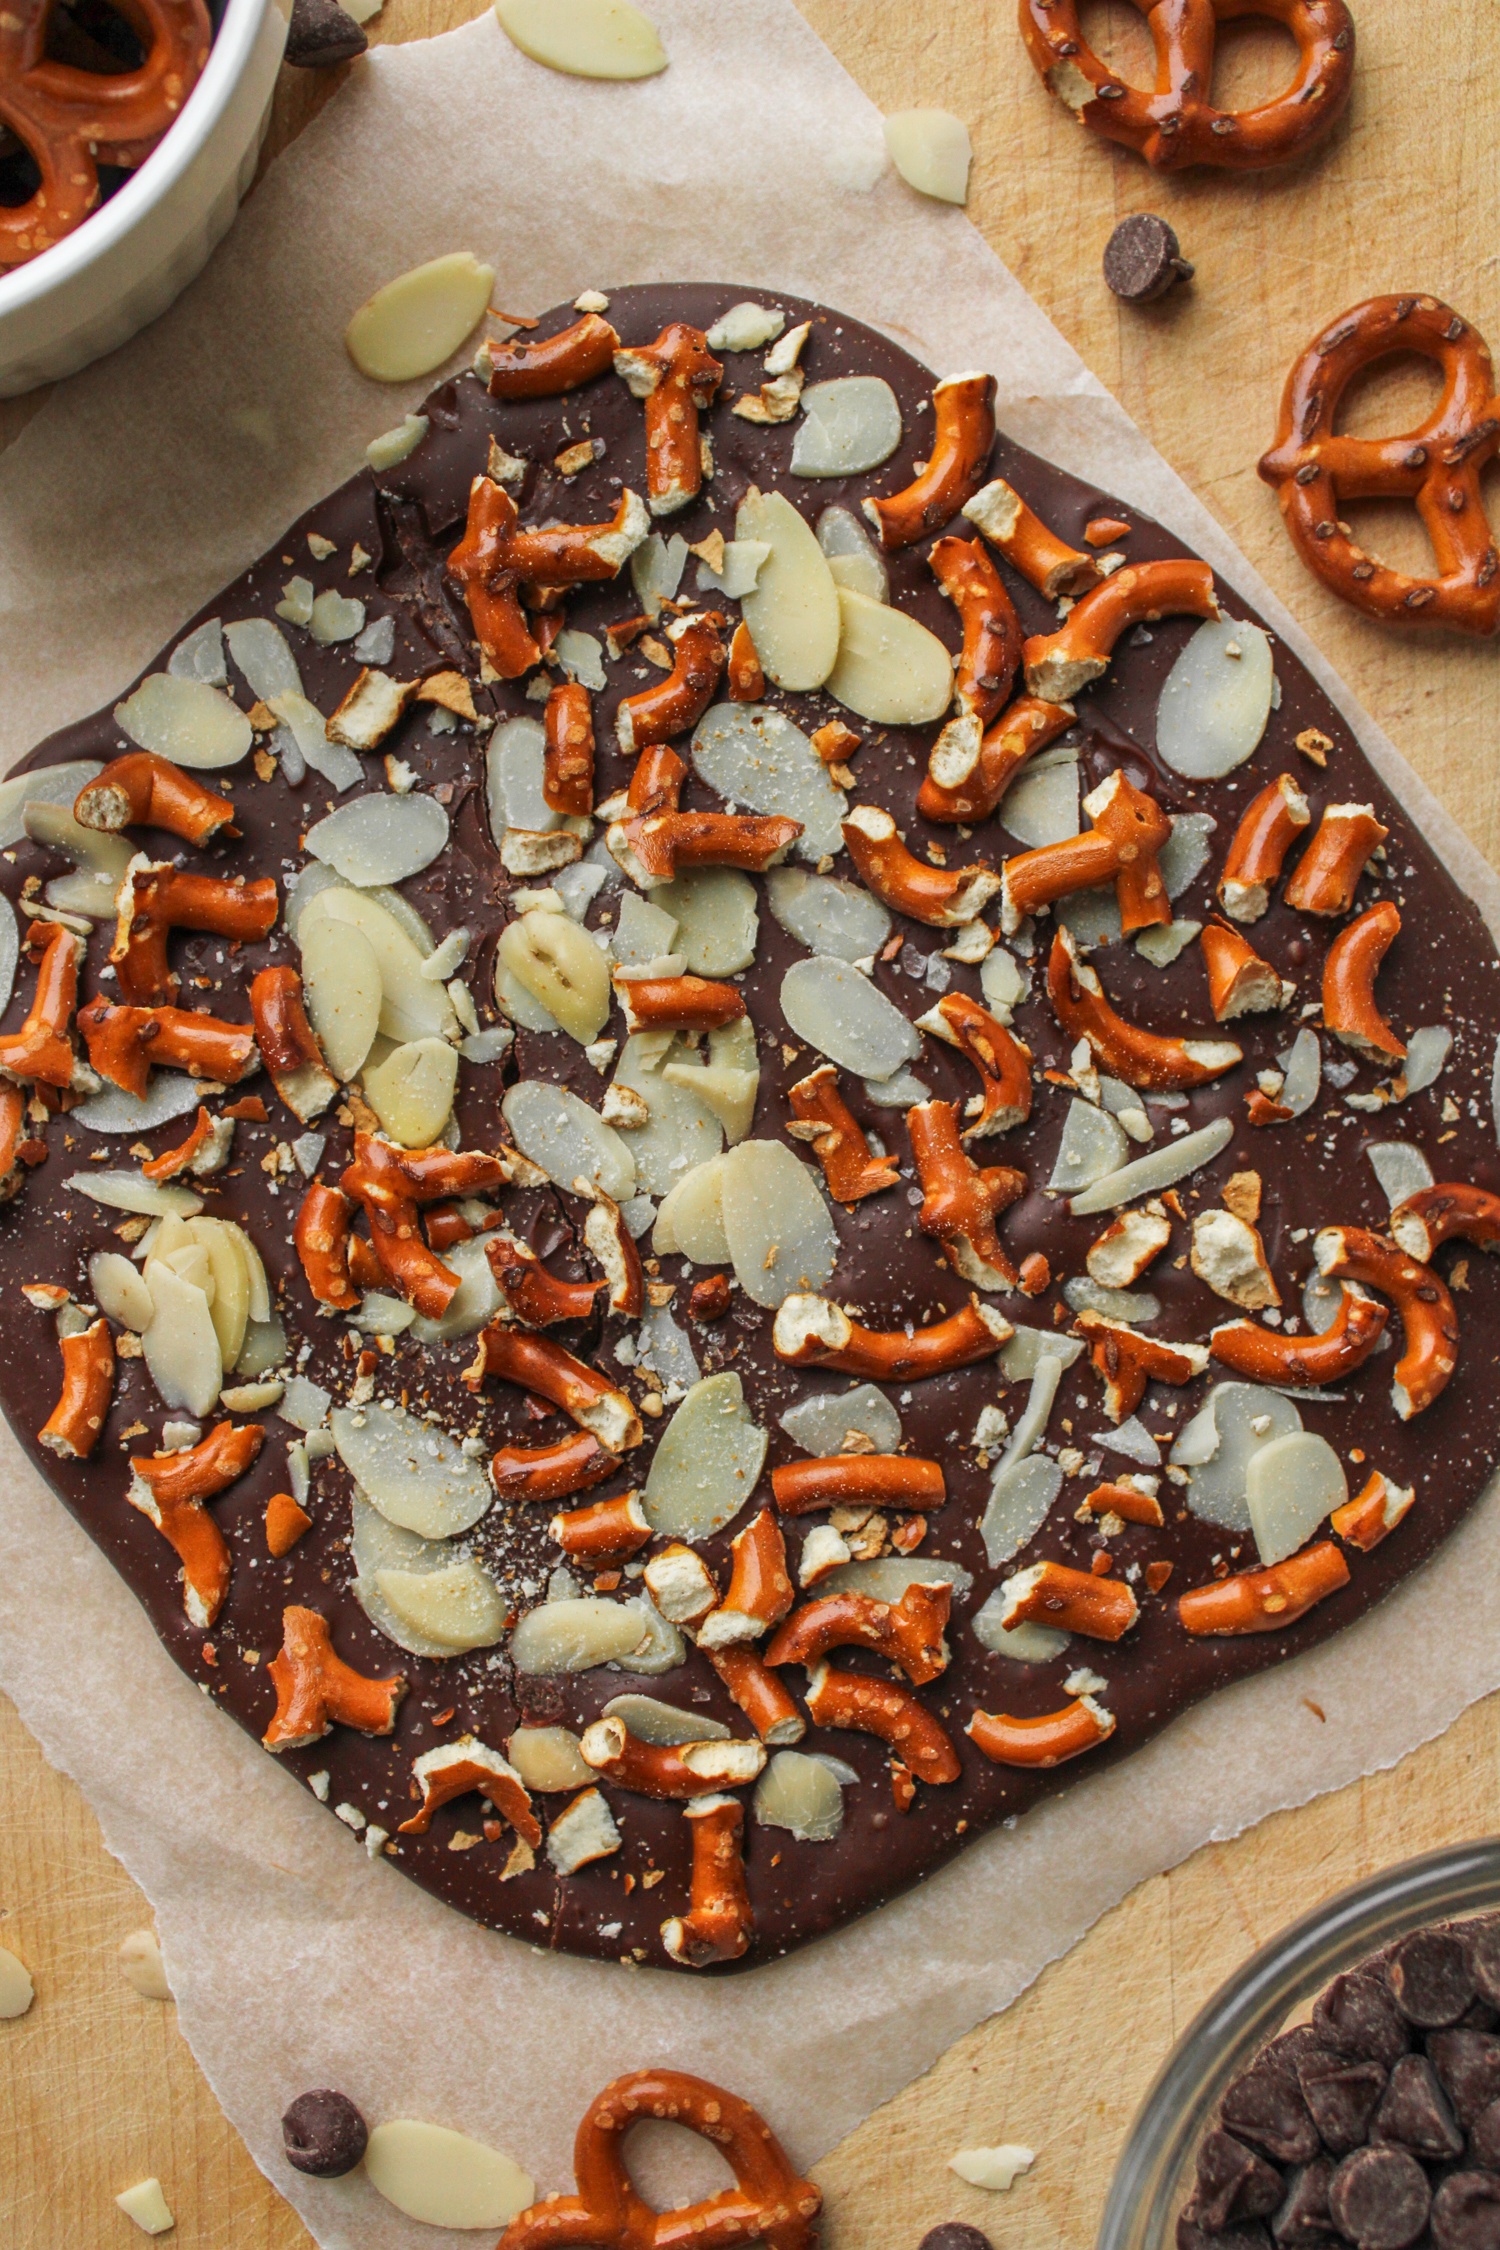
955, 2236
1342, 2096
1303, 2223
1432, 1978
320, 34
1233, 2183
1264, 2106
324, 2134
1358, 2014
1379, 2198
1192, 2236
1466, 2212
1468, 2064
1482, 1941
1142, 260
1484, 2138
1413, 2113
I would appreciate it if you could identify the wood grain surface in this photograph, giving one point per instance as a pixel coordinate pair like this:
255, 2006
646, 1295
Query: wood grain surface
96, 2088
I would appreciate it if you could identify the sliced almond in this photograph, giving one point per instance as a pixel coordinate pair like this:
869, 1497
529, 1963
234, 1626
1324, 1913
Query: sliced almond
54, 785
380, 839
118, 1290
931, 150
781, 1237
584, 38
1217, 1446
342, 990
889, 668
847, 1018
569, 1140
681, 1130
651, 1721
459, 1607
799, 1793
411, 1005
562, 968
1216, 700
181, 1344
411, 1091
849, 425
1292, 1484
412, 324
230, 1304
187, 721
793, 614
548, 1758
411, 1471
707, 1463
756, 757
717, 917
575, 1635
827, 915
442, 2178
690, 1222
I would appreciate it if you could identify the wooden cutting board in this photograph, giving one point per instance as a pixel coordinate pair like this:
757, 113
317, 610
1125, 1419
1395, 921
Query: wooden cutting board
96, 2088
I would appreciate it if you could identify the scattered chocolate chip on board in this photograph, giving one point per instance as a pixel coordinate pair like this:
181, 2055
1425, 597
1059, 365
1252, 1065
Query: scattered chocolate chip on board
1143, 259
722, 1154
1377, 2123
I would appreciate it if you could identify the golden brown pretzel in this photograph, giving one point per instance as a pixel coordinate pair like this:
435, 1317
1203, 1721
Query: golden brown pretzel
1438, 465
768, 2204
1176, 124
72, 121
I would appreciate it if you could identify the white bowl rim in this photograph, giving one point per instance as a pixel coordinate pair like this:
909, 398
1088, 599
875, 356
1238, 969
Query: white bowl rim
107, 226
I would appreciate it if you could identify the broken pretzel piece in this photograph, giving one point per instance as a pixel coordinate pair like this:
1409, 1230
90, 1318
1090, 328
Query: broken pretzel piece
963, 431
759, 1694
660, 1769
321, 1236
1264, 1355
1240, 983
1452, 1209
824, 1119
942, 898
604, 1533
1128, 1361
1059, 664
551, 1472
966, 779
1069, 1601
858, 1480
316, 1689
41, 1052
960, 1203
496, 558
760, 1587
991, 648
1265, 1601
909, 1632
73, 1428
156, 898
1373, 1513
719, 1922
1047, 1741
142, 790
1327, 875
544, 367
170, 1490
393, 1183
814, 1332
455, 1769
568, 756
124, 1044
204, 1152
1145, 1059
289, 1047
1349, 973
674, 705
1044, 560
1002, 1060
1270, 826
1121, 846
852, 1701
538, 1365
1426, 1310
676, 378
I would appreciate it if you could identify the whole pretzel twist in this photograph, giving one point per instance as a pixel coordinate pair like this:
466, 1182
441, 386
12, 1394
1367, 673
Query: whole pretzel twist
769, 2203
1438, 465
1176, 124
71, 121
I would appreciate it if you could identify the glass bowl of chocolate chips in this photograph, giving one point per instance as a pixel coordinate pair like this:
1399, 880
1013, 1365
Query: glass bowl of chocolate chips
1342, 2089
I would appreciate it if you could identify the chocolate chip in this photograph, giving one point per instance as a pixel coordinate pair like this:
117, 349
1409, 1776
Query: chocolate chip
1358, 2014
1468, 2064
1432, 1978
1142, 260
1265, 2107
955, 2236
1466, 2212
1413, 2113
1233, 2183
1484, 2138
1379, 2198
320, 34
324, 2134
1342, 2096
1482, 1941
1303, 2218
1190, 2236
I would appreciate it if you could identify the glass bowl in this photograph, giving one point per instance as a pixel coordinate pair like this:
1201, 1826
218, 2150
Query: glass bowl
1154, 2176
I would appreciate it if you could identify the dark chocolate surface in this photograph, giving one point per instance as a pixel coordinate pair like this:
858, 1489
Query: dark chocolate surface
1442, 969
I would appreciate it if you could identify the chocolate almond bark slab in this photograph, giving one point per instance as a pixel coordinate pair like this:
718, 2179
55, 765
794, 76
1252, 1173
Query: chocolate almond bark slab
396, 1646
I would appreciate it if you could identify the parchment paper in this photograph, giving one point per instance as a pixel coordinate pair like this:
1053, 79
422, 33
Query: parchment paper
144, 485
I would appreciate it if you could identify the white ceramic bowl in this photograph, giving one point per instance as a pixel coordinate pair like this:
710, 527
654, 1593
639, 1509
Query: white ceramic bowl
139, 251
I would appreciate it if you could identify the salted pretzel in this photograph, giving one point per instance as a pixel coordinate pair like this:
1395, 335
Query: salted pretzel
1437, 465
71, 121
1176, 124
769, 2204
